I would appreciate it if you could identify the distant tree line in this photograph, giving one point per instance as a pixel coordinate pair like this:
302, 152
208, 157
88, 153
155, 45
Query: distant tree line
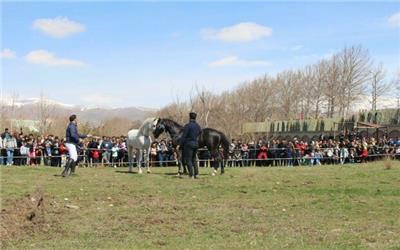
328, 88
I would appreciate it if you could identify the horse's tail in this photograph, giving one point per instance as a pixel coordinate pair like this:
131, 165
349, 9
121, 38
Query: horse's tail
225, 144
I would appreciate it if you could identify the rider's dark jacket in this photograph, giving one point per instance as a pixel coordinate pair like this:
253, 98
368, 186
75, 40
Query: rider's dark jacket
72, 135
190, 134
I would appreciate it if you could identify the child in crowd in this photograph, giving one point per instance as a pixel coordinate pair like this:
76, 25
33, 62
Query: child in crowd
114, 154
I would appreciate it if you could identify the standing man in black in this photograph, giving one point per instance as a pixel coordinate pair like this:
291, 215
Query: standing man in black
189, 143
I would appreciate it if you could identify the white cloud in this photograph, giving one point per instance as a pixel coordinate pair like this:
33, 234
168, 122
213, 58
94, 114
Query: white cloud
7, 54
175, 34
310, 58
394, 20
58, 27
296, 48
47, 58
241, 32
236, 61
93, 100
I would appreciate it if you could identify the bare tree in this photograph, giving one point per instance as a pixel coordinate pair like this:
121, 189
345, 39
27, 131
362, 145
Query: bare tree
288, 93
396, 87
12, 106
333, 89
378, 85
111, 127
205, 99
328, 87
318, 85
3, 113
45, 110
255, 101
307, 100
355, 65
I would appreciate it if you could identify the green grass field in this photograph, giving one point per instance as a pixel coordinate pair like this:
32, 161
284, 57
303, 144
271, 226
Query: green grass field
334, 207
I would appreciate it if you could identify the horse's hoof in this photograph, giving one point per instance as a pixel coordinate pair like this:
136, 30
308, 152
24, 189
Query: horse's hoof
149, 171
213, 174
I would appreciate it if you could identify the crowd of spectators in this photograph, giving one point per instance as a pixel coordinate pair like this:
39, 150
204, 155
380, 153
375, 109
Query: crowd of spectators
315, 152
20, 149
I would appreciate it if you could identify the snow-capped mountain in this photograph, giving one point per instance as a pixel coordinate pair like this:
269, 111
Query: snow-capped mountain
9, 101
30, 107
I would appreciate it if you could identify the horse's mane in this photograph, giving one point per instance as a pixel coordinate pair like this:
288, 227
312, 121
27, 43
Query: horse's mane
170, 121
147, 120
145, 123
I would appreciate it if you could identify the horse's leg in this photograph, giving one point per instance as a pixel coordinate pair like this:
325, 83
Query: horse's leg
139, 160
130, 158
222, 165
147, 160
180, 163
215, 164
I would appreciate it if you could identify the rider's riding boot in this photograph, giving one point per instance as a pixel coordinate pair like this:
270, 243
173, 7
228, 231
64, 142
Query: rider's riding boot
67, 168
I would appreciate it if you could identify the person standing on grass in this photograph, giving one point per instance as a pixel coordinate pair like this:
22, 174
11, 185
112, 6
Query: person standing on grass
1, 147
189, 143
10, 143
153, 154
114, 154
24, 150
106, 147
73, 138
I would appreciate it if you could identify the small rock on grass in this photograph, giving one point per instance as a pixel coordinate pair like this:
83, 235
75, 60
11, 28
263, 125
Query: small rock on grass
71, 206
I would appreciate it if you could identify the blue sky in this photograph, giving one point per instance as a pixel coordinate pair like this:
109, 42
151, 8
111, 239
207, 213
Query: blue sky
148, 54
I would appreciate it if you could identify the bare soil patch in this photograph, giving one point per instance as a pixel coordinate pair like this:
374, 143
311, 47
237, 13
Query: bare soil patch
33, 214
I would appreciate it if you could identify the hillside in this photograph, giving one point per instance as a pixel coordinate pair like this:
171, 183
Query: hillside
29, 109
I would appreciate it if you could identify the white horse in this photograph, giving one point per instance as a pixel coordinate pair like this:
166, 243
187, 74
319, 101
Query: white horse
139, 140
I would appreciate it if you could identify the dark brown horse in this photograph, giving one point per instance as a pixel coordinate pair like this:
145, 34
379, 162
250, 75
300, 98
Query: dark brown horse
210, 138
